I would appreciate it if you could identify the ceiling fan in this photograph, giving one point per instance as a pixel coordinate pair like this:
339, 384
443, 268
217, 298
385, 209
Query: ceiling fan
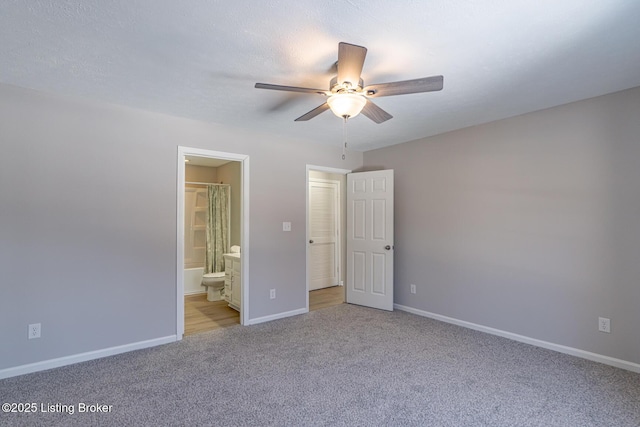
347, 96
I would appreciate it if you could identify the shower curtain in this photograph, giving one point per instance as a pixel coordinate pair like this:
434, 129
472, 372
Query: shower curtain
217, 227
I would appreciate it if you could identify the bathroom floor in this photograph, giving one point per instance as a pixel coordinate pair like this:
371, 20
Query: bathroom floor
201, 315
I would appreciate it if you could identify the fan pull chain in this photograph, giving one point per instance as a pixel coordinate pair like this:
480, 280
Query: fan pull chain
344, 137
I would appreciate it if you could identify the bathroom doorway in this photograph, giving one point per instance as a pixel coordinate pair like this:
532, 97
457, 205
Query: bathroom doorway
326, 238
212, 242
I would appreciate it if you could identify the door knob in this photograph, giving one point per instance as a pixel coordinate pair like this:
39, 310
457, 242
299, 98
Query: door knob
310, 241
388, 247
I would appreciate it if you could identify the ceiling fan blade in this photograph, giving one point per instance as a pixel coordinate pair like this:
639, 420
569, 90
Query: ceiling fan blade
375, 113
425, 84
290, 88
350, 62
311, 114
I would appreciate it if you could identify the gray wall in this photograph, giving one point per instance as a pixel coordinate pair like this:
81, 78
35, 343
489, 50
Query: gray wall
528, 225
88, 241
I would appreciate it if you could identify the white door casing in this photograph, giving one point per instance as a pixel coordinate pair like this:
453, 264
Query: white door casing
324, 226
370, 239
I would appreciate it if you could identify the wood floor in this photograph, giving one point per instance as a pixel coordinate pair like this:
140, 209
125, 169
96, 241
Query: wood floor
201, 315
327, 297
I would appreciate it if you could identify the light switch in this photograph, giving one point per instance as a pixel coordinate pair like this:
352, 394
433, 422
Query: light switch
286, 226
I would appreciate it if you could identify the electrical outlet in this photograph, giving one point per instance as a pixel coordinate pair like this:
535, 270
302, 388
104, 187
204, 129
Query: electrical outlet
272, 294
286, 226
34, 331
604, 324
413, 288
341, 282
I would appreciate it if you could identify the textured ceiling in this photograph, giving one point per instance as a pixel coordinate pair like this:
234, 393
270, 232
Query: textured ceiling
201, 58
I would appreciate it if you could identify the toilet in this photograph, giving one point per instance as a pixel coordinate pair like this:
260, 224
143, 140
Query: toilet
214, 283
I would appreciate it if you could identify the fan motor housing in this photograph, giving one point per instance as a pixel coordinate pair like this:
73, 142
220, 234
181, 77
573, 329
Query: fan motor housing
346, 87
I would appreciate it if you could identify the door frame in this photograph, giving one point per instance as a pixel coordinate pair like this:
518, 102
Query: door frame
244, 230
342, 201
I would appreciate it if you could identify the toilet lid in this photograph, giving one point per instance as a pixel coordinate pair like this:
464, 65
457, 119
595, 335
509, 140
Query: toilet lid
212, 275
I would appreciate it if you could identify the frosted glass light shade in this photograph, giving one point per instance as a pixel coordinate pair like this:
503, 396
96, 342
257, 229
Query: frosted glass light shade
346, 104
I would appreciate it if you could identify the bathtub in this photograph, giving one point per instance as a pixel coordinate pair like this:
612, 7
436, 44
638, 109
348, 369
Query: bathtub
193, 280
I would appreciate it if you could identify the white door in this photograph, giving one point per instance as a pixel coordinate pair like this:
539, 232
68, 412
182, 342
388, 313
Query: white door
370, 239
324, 228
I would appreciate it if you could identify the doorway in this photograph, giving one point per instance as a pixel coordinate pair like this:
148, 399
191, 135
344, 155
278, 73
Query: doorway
325, 221
236, 275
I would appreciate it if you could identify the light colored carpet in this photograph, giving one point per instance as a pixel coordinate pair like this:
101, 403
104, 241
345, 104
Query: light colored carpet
341, 366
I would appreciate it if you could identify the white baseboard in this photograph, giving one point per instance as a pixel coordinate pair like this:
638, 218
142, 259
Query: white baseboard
82, 357
194, 292
276, 316
618, 363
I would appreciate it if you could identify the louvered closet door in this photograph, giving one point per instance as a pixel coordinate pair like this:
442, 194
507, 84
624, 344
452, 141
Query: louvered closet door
323, 234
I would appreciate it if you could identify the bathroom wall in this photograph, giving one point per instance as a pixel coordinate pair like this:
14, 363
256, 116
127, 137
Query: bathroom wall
196, 173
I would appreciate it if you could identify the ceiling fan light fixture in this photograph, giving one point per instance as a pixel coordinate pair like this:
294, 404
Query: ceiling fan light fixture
346, 104
347, 99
